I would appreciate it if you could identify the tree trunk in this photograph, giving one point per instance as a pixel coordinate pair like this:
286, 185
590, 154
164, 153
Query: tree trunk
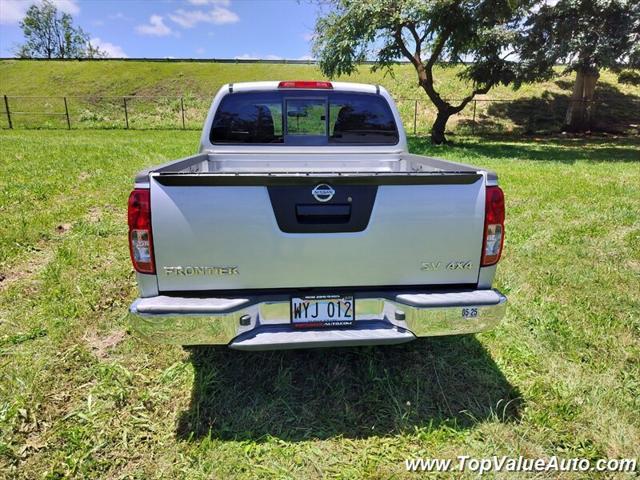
589, 89
578, 117
437, 131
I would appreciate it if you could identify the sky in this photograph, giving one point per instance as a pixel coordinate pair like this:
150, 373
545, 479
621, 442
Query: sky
268, 29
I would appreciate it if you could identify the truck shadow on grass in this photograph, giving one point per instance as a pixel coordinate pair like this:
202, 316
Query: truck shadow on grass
346, 392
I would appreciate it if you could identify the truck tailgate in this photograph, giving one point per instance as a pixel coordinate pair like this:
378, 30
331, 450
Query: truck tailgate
235, 231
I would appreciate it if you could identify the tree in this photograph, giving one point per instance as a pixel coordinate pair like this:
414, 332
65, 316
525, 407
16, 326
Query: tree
586, 36
475, 34
51, 34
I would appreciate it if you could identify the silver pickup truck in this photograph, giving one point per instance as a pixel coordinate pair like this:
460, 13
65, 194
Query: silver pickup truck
305, 222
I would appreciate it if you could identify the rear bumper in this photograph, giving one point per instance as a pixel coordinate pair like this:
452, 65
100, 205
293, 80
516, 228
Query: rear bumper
262, 322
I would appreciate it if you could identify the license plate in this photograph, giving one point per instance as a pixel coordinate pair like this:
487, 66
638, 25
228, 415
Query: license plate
322, 311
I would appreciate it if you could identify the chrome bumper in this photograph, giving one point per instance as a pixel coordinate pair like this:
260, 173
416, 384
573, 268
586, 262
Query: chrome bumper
262, 322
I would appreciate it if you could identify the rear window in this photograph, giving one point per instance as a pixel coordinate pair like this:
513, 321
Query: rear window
305, 117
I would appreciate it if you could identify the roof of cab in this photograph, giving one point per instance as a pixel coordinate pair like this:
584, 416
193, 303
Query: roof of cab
273, 85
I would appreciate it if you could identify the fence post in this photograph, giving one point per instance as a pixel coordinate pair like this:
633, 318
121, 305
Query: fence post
473, 122
66, 111
182, 109
126, 114
6, 106
415, 117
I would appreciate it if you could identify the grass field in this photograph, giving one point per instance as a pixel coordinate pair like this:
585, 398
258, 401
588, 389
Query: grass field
538, 107
81, 397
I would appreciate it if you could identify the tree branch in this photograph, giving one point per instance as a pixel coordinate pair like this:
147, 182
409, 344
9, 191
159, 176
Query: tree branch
437, 49
507, 55
416, 38
465, 101
427, 83
415, 60
425, 76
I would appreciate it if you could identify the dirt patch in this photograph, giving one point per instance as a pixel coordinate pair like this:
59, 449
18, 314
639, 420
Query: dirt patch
63, 228
94, 215
634, 265
84, 176
37, 260
32, 445
33, 428
100, 345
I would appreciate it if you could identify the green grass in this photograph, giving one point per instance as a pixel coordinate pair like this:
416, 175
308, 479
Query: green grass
81, 397
537, 107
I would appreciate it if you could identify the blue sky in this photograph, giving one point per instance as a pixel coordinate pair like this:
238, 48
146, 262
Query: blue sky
182, 28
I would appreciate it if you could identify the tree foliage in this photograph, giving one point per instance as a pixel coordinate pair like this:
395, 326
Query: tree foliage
479, 35
50, 33
586, 36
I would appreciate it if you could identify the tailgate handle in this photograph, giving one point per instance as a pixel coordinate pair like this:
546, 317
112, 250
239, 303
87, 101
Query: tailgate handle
334, 213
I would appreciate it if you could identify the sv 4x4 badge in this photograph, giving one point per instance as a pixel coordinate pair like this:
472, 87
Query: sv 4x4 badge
452, 265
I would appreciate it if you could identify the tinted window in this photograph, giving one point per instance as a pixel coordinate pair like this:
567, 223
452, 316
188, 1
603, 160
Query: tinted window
248, 118
312, 118
361, 119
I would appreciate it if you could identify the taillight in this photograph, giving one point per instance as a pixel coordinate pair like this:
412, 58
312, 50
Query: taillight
305, 84
493, 226
140, 239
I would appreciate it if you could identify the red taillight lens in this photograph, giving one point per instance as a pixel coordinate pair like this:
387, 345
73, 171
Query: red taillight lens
305, 84
493, 226
140, 239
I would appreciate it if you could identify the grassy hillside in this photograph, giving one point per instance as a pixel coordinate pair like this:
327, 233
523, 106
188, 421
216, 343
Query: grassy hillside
203, 79
533, 107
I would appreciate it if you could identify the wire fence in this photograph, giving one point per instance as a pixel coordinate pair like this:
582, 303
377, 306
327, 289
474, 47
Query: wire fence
530, 115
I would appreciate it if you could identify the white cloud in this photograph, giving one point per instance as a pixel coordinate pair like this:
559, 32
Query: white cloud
12, 11
112, 51
218, 15
308, 36
188, 18
68, 6
306, 57
156, 27
221, 15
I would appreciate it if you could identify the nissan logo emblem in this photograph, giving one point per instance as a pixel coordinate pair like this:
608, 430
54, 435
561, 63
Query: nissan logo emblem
323, 192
